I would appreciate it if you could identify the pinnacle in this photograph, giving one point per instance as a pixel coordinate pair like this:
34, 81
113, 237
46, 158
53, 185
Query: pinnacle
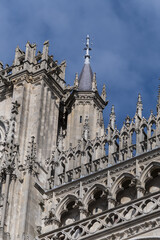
139, 98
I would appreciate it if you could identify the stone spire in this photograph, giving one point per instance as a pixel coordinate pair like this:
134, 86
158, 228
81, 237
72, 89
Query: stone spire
112, 117
94, 83
104, 94
76, 80
158, 101
86, 76
139, 106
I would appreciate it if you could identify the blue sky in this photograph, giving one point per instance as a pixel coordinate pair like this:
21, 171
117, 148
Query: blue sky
125, 36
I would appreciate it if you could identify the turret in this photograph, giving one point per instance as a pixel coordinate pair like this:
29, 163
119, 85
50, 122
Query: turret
85, 103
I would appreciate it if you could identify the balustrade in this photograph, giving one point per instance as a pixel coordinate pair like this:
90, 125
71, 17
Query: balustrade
135, 209
75, 173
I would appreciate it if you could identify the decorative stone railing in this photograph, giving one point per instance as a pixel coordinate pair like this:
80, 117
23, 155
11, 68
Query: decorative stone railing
131, 151
76, 173
99, 223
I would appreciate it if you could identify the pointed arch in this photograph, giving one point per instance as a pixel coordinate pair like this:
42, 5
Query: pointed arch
124, 130
116, 135
91, 191
146, 172
61, 206
78, 152
123, 177
144, 123
105, 140
96, 200
97, 142
70, 155
124, 189
132, 126
89, 147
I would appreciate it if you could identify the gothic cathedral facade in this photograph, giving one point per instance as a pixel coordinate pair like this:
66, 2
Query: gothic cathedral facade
63, 175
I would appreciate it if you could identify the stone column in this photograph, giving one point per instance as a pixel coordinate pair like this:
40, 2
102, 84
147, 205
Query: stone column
140, 191
111, 202
83, 213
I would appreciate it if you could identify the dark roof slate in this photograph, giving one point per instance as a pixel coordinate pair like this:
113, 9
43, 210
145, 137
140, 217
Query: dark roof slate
85, 79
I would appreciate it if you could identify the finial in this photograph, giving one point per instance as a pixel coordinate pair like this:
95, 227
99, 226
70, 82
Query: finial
46, 42
94, 83
127, 121
87, 48
139, 98
112, 109
139, 106
76, 80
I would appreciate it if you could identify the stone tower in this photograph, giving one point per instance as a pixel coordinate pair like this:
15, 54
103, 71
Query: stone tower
63, 175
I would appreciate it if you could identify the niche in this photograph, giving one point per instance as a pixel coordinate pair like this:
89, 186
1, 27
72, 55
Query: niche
98, 203
153, 184
71, 214
127, 193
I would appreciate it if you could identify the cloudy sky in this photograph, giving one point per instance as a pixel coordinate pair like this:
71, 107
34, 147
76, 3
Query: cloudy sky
125, 36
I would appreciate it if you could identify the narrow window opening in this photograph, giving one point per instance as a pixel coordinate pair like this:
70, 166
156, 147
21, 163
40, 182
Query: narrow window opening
80, 119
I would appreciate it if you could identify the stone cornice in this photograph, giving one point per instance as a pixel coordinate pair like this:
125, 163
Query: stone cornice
34, 78
83, 96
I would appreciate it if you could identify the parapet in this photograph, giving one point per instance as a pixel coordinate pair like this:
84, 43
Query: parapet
33, 62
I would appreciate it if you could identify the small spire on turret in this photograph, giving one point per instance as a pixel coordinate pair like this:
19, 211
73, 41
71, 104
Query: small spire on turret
104, 94
86, 76
87, 48
30, 52
45, 50
94, 83
139, 106
158, 101
76, 80
112, 117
